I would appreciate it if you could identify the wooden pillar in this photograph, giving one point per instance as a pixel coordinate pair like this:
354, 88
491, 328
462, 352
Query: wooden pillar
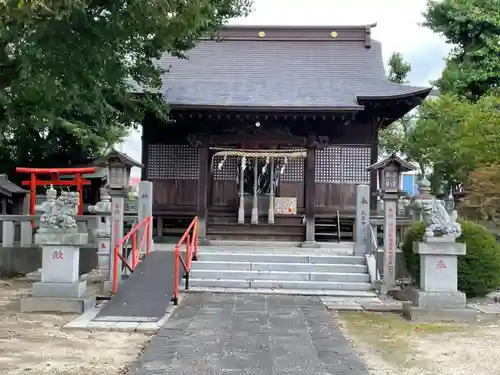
309, 193
202, 192
373, 160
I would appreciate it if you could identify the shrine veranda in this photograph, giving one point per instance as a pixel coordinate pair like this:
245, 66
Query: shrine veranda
306, 89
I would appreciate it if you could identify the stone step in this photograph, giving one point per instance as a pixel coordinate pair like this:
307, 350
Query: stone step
281, 275
296, 292
291, 267
280, 258
280, 284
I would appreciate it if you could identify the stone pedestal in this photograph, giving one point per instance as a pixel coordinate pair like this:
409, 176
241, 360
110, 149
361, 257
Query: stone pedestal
60, 289
438, 298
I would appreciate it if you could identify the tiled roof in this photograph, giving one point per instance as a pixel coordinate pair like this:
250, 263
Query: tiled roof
283, 73
8, 187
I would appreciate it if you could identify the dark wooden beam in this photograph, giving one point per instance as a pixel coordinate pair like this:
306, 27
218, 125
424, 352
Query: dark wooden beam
202, 191
373, 160
309, 191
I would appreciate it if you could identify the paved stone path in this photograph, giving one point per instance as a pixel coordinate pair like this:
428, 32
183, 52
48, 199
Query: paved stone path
249, 335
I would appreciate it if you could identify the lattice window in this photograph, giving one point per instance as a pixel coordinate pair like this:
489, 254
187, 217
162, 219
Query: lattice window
228, 171
336, 164
327, 168
177, 162
294, 168
355, 160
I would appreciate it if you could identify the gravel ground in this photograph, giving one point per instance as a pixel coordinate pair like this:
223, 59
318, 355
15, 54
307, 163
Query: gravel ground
34, 344
393, 346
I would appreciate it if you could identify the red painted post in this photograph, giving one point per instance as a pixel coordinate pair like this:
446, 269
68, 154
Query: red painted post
79, 189
188, 252
134, 250
195, 255
148, 235
115, 269
175, 298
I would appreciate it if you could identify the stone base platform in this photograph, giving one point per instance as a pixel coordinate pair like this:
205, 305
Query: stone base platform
61, 290
90, 321
438, 300
58, 305
421, 314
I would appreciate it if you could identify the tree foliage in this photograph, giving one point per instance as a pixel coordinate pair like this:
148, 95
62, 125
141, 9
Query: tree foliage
460, 131
392, 139
482, 199
456, 136
396, 138
70, 70
473, 28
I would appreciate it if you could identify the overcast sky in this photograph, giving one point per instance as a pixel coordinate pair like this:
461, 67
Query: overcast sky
397, 28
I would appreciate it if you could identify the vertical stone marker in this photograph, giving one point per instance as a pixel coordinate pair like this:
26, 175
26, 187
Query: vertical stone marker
362, 219
145, 209
390, 242
438, 298
389, 174
60, 289
117, 219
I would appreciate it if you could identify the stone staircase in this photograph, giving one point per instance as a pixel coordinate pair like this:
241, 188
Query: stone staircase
281, 270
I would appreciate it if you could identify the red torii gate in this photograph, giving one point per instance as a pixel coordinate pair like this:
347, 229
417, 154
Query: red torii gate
54, 173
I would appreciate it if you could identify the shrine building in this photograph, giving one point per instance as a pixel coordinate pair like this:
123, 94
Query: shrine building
273, 129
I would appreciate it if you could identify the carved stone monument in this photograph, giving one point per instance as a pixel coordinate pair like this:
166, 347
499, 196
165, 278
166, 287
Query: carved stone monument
438, 298
361, 244
103, 234
60, 289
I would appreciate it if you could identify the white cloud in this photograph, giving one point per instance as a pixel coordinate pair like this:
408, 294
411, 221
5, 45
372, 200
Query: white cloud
397, 28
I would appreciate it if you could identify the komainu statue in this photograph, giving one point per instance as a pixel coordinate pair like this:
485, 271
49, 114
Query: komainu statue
438, 222
58, 213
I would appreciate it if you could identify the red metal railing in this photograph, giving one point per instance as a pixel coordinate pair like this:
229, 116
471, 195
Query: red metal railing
136, 252
190, 239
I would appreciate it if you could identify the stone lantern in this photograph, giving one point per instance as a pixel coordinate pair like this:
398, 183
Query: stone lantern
389, 173
119, 166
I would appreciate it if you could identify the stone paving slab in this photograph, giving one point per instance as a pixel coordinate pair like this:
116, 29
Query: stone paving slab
362, 304
89, 322
490, 309
249, 334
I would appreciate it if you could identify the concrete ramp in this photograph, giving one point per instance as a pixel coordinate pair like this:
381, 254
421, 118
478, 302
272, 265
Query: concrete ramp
145, 296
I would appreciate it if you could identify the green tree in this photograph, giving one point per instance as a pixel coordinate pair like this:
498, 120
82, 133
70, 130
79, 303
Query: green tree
70, 71
396, 138
456, 136
473, 28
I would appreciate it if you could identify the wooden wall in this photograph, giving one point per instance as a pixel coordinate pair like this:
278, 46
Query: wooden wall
338, 170
174, 171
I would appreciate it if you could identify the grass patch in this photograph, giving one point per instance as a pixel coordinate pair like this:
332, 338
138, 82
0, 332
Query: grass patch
389, 335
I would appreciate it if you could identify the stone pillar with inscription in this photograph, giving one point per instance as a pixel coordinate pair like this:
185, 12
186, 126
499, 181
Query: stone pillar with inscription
390, 210
103, 234
361, 245
117, 213
60, 289
438, 298
145, 209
